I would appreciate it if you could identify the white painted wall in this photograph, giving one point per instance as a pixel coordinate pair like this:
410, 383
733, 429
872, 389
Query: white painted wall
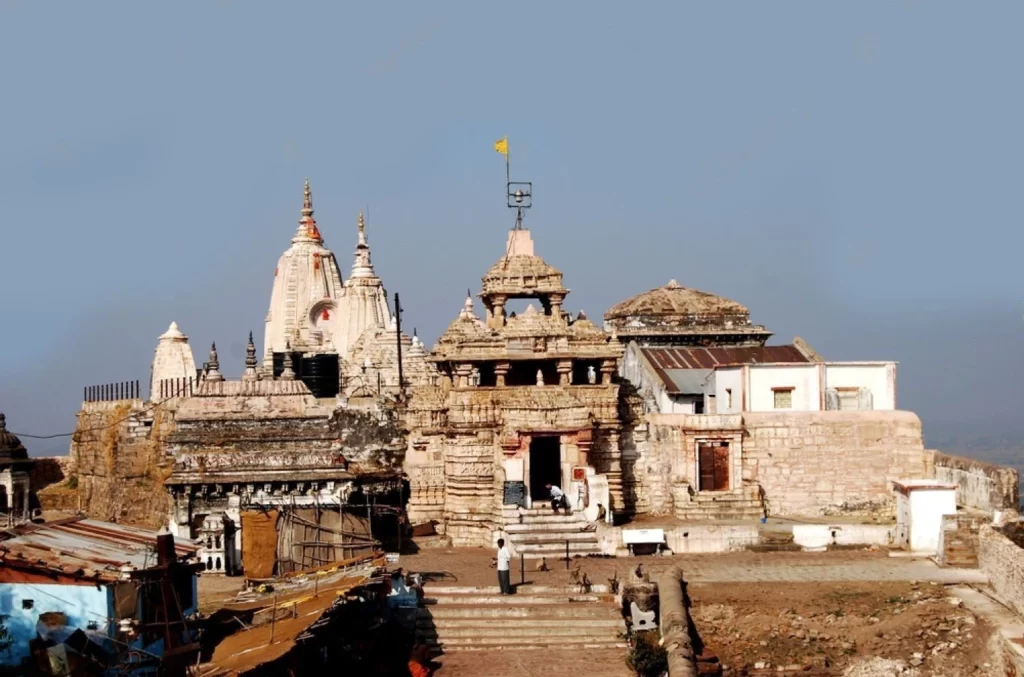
802, 378
927, 506
729, 378
878, 377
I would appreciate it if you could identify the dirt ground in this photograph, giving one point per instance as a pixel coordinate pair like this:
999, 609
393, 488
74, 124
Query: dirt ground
852, 613
838, 625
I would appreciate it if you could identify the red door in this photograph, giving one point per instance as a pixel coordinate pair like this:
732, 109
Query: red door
714, 466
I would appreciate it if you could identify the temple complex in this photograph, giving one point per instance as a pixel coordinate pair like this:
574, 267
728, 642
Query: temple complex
342, 430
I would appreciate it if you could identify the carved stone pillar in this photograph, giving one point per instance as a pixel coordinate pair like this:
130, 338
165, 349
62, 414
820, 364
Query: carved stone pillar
556, 305
501, 370
497, 318
564, 369
614, 472
607, 370
584, 442
462, 374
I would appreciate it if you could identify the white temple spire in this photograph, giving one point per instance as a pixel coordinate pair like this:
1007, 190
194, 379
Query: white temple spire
307, 229
362, 268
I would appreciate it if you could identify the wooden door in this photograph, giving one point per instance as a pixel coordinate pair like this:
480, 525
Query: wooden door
714, 466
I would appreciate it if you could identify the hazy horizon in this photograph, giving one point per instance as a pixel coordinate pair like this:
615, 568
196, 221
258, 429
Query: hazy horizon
849, 174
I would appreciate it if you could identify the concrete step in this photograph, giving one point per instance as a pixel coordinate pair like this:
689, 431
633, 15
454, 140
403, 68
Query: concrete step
525, 644
509, 600
555, 552
545, 527
593, 624
547, 518
551, 536
476, 612
566, 630
555, 590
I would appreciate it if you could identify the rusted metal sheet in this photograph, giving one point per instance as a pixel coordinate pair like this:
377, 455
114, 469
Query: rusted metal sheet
666, 360
82, 549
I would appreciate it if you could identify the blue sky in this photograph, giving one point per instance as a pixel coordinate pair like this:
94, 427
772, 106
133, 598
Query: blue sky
850, 172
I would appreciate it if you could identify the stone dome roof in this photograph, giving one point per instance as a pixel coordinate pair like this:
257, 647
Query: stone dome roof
675, 299
677, 310
11, 447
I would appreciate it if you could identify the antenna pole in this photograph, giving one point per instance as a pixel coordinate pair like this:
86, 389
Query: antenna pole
398, 342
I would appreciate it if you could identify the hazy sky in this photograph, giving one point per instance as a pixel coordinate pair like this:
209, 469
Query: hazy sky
850, 171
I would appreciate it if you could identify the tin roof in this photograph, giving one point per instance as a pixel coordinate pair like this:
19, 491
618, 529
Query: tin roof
83, 548
672, 364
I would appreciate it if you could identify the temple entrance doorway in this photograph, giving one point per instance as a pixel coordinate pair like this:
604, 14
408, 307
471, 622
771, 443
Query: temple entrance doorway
713, 466
545, 466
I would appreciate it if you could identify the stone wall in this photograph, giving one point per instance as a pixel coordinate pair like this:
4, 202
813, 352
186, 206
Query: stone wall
54, 483
1002, 560
806, 463
979, 485
47, 470
832, 462
120, 463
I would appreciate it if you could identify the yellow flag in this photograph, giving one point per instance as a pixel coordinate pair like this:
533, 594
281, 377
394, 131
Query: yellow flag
501, 146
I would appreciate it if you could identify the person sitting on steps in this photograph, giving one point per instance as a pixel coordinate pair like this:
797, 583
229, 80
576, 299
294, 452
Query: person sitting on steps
558, 499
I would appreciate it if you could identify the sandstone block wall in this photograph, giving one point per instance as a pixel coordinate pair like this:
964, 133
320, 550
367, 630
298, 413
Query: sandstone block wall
1002, 560
979, 485
120, 463
822, 463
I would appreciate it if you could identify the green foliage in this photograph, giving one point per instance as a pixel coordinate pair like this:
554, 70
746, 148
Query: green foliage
73, 482
647, 658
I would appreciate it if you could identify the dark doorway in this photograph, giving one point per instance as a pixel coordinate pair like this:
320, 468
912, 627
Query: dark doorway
714, 466
545, 467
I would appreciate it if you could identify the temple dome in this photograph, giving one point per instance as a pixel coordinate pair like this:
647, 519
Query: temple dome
11, 448
172, 360
520, 272
677, 310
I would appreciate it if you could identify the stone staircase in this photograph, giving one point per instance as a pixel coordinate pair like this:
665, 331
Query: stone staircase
735, 504
538, 532
535, 617
958, 545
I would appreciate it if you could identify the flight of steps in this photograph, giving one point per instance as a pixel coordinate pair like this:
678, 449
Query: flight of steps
736, 504
457, 618
959, 540
539, 532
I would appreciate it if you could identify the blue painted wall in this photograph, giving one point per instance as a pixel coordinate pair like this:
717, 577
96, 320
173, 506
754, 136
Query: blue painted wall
82, 604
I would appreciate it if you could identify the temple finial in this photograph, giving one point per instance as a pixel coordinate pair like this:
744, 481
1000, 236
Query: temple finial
362, 268
307, 229
287, 374
250, 373
213, 368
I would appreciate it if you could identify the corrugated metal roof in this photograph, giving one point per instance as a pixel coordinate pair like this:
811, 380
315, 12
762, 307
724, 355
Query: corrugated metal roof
667, 362
83, 548
689, 381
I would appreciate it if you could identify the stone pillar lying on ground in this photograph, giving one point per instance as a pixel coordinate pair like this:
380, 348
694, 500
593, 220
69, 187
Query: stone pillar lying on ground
676, 624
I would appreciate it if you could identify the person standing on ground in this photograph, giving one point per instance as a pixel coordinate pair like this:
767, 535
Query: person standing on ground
504, 567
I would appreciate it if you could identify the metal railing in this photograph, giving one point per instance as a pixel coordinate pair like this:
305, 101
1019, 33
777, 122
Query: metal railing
112, 392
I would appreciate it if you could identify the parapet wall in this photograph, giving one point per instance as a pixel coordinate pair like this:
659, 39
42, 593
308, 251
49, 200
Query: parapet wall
120, 463
979, 485
830, 462
1002, 560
